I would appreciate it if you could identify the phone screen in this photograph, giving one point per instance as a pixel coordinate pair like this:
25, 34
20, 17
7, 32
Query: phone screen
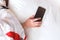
40, 13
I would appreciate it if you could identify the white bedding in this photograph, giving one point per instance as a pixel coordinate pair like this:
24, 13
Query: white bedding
50, 29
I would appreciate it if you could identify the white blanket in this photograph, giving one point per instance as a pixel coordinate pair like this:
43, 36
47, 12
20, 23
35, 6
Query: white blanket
50, 28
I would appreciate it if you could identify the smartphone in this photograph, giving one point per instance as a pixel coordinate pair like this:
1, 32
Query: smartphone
40, 13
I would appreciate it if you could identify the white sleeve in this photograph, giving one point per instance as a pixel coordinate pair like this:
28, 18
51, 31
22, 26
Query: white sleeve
4, 26
3, 30
10, 24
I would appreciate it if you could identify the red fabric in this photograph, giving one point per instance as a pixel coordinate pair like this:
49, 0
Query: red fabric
25, 38
14, 35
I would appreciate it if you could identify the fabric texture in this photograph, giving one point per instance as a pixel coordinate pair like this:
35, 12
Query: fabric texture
10, 27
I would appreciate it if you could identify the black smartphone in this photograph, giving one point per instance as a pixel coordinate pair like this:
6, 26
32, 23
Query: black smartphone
40, 13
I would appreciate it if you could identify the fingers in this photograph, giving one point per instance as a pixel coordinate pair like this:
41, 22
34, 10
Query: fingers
36, 19
37, 24
32, 17
32, 22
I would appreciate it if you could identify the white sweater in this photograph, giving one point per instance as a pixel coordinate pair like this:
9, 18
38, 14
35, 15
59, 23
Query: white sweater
10, 26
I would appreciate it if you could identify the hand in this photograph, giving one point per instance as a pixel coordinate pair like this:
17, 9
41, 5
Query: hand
31, 22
